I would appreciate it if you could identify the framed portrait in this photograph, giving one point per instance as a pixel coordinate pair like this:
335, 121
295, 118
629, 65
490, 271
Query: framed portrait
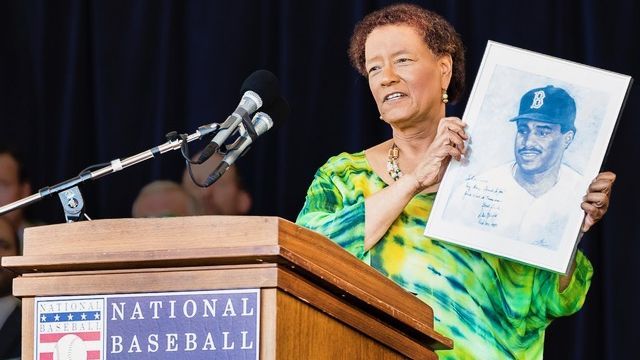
539, 130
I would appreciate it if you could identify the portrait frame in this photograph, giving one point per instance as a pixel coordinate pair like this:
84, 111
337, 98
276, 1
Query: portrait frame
509, 196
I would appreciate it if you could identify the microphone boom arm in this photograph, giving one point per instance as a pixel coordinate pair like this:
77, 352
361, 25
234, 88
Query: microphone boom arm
115, 166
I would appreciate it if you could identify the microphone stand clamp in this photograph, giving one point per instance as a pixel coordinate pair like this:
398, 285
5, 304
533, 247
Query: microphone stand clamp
72, 204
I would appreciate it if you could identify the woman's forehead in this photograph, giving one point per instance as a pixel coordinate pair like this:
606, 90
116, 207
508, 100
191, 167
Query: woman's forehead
393, 39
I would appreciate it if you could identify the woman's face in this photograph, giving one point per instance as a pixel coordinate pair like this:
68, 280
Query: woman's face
405, 78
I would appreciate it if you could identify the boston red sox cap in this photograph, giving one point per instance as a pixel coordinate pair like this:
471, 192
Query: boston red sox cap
548, 104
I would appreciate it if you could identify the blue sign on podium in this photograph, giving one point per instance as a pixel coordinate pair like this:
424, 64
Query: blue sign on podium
171, 325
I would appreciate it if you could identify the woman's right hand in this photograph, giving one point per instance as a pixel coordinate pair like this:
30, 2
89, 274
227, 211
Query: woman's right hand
448, 143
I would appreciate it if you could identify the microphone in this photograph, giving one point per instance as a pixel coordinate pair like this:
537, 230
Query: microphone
261, 122
259, 89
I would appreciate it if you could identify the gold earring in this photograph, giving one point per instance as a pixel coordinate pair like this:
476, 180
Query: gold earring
445, 96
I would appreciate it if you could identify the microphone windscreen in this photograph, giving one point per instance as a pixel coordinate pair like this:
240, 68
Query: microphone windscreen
264, 83
278, 110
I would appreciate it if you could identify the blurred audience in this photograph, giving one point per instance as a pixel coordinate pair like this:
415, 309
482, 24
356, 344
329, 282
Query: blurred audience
14, 185
227, 196
163, 198
10, 310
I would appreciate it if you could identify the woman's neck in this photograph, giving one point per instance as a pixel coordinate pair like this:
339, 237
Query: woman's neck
416, 135
414, 141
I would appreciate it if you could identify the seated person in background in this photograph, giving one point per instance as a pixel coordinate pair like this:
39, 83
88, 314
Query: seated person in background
14, 185
163, 198
10, 311
227, 196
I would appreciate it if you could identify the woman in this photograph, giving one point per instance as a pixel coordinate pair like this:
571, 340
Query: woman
375, 203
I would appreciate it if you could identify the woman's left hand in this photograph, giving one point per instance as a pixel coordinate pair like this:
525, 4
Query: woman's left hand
596, 202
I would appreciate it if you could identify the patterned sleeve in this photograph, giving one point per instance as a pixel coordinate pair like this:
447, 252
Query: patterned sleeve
329, 212
535, 294
548, 302
571, 299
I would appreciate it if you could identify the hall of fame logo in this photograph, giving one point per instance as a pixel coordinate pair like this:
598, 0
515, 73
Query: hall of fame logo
69, 329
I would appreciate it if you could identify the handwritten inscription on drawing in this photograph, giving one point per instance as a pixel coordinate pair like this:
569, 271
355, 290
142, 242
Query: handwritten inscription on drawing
490, 198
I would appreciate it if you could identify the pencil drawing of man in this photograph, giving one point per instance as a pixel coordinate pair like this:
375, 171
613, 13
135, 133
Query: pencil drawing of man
525, 199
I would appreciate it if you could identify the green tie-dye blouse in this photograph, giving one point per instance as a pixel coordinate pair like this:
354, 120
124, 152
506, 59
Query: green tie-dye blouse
492, 308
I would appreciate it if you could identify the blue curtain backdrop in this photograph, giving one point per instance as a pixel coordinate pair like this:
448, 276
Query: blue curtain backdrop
87, 82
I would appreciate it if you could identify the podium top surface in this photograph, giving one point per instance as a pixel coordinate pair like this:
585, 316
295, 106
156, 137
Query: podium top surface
114, 244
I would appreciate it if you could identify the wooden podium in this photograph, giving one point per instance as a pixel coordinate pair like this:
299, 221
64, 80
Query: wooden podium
316, 300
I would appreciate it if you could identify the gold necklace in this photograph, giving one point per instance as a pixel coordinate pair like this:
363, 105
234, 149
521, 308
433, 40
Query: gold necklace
392, 162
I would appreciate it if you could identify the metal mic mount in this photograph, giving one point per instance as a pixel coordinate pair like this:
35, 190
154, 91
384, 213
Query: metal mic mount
69, 193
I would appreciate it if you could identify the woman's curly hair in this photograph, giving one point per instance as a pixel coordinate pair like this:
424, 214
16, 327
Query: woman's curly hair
439, 36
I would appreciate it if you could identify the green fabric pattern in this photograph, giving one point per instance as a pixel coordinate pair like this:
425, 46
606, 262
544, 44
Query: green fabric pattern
491, 307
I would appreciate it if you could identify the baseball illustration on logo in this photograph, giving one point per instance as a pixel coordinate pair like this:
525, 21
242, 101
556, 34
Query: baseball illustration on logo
70, 347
